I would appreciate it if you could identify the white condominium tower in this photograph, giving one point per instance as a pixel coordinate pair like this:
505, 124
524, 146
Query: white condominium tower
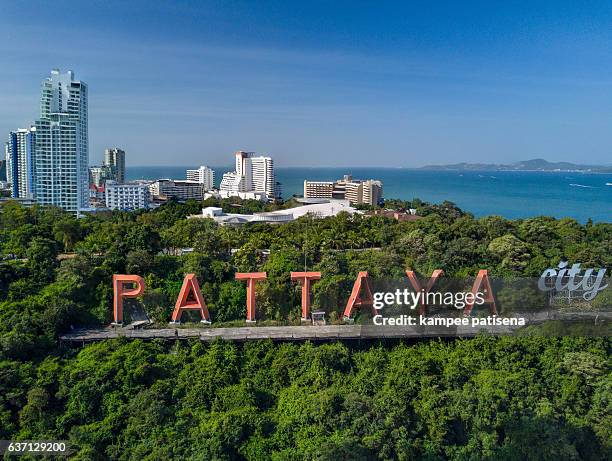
202, 175
115, 159
262, 171
20, 157
254, 173
62, 143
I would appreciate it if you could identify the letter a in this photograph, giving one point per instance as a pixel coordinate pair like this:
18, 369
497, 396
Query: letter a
183, 302
120, 292
356, 300
482, 279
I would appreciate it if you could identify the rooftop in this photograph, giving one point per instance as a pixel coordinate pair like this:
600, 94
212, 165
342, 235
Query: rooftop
321, 209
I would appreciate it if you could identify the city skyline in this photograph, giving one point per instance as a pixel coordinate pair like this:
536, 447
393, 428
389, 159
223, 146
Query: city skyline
442, 84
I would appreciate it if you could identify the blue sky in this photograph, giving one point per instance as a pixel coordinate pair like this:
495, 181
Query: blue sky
322, 83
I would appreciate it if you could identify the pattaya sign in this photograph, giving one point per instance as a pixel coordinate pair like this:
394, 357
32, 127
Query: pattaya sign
190, 297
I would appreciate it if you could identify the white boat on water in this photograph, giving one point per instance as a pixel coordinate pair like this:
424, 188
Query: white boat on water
609, 184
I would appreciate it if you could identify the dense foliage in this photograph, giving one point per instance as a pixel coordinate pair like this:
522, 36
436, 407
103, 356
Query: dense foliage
487, 398
56, 269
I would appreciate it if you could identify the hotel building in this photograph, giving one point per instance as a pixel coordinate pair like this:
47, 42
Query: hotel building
126, 196
372, 192
62, 143
253, 173
202, 175
180, 190
367, 192
318, 189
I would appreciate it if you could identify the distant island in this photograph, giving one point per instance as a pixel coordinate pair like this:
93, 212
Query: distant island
537, 164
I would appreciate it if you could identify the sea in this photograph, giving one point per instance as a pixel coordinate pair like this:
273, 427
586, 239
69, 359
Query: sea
511, 194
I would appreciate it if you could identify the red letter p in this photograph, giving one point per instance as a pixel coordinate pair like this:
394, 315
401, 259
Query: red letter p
120, 292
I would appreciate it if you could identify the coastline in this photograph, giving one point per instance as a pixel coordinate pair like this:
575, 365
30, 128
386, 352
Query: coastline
511, 194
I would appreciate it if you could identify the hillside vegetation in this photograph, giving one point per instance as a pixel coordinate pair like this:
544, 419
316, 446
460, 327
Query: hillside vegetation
510, 398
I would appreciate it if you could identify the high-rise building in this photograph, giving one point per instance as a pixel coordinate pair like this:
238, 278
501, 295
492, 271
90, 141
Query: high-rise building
231, 183
356, 191
239, 180
7, 164
62, 143
202, 175
254, 173
115, 159
20, 155
371, 193
353, 191
263, 178
98, 175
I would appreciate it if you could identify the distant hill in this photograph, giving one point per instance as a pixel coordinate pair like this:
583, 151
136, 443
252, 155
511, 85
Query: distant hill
537, 164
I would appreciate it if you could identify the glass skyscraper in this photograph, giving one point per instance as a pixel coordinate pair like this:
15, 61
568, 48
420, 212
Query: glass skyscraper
20, 155
62, 143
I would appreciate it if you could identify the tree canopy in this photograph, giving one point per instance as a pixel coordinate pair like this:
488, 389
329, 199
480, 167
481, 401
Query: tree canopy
487, 398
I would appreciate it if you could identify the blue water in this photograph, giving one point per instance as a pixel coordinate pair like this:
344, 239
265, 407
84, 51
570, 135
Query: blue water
511, 194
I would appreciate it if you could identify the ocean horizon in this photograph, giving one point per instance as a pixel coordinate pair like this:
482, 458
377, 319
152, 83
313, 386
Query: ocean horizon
511, 194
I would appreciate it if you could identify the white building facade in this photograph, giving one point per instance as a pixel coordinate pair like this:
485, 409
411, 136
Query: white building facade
202, 175
62, 143
232, 184
254, 173
263, 178
322, 209
126, 196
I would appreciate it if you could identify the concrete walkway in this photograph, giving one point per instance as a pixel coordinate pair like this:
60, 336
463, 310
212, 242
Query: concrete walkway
282, 333
326, 332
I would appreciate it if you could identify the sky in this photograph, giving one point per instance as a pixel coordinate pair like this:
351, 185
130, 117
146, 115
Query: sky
322, 83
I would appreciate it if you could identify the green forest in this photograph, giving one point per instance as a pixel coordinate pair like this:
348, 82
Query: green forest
485, 398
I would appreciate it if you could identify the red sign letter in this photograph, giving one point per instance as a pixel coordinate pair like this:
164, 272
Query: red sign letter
251, 278
482, 279
190, 285
305, 278
417, 286
120, 292
355, 300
